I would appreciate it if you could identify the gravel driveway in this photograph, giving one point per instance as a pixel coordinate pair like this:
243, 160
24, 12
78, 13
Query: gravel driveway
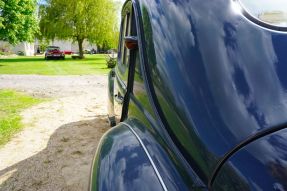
55, 150
55, 86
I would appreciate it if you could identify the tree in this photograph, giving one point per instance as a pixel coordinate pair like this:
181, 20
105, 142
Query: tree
18, 20
79, 20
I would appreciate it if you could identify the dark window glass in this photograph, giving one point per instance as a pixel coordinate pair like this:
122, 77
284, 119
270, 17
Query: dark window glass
123, 33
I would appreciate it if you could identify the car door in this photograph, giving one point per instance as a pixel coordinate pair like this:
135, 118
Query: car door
118, 83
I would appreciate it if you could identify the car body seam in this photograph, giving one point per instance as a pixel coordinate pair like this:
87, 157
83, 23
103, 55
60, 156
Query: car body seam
148, 155
239, 146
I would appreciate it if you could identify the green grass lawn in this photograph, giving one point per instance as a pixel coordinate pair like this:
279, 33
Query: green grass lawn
92, 64
11, 104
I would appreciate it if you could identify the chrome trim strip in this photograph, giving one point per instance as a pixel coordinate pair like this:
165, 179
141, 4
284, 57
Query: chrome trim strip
149, 157
122, 83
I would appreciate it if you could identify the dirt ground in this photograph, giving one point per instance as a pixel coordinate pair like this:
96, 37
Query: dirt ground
55, 150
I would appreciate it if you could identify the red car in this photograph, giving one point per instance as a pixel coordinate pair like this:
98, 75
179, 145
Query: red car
54, 52
68, 52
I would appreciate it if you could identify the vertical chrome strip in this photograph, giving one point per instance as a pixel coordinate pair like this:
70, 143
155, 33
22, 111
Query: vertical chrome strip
148, 155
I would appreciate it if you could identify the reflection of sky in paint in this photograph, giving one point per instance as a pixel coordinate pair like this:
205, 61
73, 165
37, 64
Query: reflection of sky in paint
247, 96
259, 7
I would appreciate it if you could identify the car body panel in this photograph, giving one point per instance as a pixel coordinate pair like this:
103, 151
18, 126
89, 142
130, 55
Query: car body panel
121, 163
120, 90
261, 165
175, 173
217, 77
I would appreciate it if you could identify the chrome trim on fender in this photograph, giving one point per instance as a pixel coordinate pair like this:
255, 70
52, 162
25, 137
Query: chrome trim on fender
149, 157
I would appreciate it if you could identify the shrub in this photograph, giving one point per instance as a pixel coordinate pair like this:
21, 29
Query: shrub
111, 62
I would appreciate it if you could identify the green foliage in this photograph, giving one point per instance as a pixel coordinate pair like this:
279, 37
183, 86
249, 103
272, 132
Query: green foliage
111, 62
79, 20
18, 22
11, 104
44, 43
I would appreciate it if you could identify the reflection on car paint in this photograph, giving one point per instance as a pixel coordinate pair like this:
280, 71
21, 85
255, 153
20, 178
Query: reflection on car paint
266, 168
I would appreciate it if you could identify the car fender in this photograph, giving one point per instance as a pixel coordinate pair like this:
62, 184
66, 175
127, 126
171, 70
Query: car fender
123, 163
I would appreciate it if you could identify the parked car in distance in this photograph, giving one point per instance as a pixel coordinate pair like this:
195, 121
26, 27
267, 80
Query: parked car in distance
102, 51
198, 98
87, 51
68, 52
76, 55
54, 52
112, 51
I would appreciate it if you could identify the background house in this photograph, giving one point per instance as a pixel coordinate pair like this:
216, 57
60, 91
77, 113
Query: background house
30, 49
66, 45
27, 48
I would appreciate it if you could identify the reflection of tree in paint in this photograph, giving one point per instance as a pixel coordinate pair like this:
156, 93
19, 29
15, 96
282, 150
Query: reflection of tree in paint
196, 151
229, 180
148, 37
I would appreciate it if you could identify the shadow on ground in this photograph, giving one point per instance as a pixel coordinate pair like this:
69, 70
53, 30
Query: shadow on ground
63, 165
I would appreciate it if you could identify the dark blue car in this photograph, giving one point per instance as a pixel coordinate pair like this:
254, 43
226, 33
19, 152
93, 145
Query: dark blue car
200, 90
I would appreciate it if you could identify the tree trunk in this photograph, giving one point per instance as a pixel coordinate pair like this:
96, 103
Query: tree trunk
81, 51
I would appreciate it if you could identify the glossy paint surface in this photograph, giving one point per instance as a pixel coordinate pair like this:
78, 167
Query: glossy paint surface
144, 121
262, 165
121, 164
218, 78
173, 172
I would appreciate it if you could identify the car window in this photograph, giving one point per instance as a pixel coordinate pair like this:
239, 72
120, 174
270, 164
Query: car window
267, 11
53, 48
122, 44
124, 54
127, 33
123, 64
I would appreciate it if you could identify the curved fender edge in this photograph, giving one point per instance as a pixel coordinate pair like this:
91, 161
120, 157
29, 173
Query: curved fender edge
121, 163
